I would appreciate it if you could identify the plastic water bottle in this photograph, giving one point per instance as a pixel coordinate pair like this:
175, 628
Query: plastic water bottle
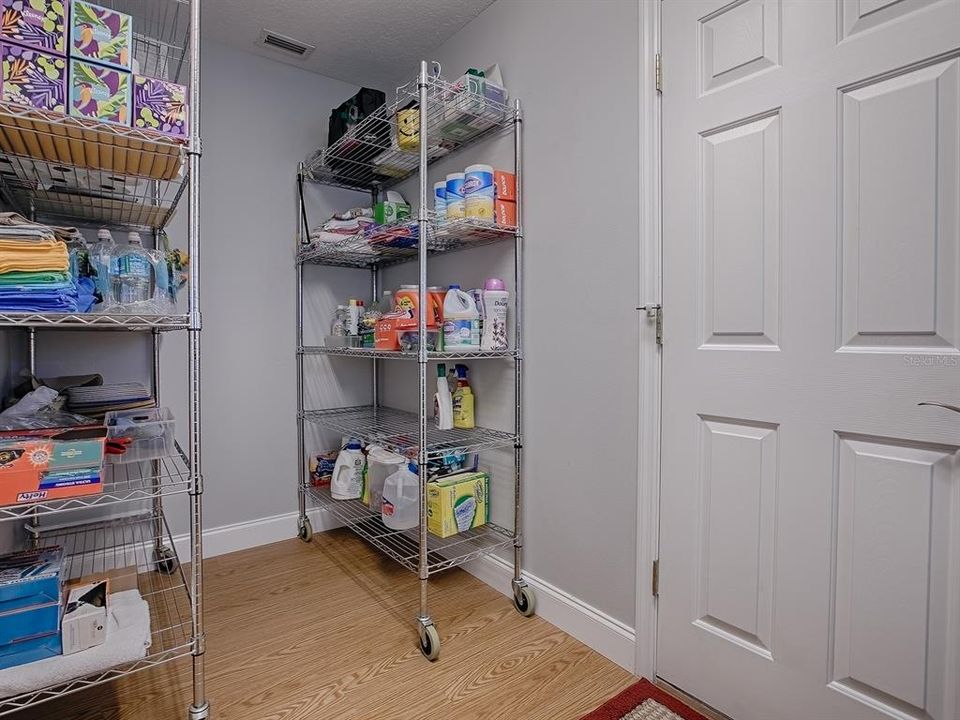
133, 279
100, 257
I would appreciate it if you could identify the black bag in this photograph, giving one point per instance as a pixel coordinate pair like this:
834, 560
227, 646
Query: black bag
354, 110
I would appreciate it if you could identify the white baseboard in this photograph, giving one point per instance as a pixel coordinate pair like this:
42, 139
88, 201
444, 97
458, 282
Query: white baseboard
594, 628
252, 533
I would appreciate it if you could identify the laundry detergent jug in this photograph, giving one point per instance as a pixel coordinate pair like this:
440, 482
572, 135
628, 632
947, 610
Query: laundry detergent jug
400, 509
347, 480
461, 321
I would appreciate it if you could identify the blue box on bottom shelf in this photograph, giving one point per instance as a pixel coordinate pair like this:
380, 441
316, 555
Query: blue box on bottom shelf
29, 651
30, 606
30, 578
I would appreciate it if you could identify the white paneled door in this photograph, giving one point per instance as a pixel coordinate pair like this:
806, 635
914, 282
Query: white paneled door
810, 518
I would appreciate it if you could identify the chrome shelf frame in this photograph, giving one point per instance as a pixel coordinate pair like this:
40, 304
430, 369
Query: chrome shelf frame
78, 171
126, 544
368, 158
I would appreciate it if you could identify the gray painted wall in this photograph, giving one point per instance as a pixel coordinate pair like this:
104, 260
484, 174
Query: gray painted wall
574, 66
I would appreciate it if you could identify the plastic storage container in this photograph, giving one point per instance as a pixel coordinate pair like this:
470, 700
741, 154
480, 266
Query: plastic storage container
151, 432
381, 464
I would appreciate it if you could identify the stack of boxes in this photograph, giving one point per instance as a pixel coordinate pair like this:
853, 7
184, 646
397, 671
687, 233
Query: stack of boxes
30, 606
505, 198
59, 54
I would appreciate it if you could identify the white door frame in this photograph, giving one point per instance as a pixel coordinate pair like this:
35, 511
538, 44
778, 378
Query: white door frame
648, 460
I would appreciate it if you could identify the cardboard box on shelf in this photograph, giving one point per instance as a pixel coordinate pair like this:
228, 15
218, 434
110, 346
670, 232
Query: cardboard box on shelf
37, 24
505, 185
84, 623
159, 105
118, 579
33, 78
100, 93
458, 503
101, 35
505, 213
53, 464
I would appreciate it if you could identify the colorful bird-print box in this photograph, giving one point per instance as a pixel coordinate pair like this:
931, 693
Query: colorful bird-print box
100, 93
101, 35
39, 24
34, 78
160, 105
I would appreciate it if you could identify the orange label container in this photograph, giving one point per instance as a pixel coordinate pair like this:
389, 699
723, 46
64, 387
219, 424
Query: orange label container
505, 213
505, 185
408, 303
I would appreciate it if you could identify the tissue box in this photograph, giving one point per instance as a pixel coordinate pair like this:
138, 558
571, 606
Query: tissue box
39, 24
159, 105
50, 465
84, 622
33, 78
100, 93
101, 35
458, 503
505, 213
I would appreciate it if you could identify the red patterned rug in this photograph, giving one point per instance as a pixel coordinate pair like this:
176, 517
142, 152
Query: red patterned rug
643, 701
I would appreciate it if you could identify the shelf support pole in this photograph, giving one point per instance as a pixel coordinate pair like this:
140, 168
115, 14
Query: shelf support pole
518, 342
200, 707
423, 227
302, 479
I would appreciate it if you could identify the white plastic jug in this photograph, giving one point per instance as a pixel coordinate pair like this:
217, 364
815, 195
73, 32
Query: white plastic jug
400, 509
347, 480
381, 464
461, 320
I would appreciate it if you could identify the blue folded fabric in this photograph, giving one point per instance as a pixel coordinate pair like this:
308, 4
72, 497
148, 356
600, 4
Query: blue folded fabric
51, 297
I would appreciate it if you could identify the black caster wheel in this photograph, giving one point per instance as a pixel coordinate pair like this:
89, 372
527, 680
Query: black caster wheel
524, 601
166, 561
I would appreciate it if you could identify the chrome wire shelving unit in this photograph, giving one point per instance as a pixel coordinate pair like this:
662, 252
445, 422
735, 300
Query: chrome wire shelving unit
368, 158
65, 170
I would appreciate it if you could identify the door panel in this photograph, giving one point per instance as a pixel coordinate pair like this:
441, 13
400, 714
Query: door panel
810, 510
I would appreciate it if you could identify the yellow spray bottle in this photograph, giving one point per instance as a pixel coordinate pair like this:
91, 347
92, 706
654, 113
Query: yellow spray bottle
463, 400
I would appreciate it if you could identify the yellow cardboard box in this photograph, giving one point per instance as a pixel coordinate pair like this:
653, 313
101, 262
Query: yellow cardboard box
458, 503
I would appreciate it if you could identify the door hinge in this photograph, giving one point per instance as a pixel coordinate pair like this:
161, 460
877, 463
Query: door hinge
658, 74
655, 582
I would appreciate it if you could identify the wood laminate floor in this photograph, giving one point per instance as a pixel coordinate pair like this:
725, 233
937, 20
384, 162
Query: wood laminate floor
323, 631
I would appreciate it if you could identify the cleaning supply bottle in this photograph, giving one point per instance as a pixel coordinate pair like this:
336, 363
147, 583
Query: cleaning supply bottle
463, 401
347, 480
495, 301
461, 321
400, 507
132, 275
443, 401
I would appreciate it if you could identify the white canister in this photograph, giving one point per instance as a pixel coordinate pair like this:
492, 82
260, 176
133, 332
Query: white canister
440, 200
478, 193
456, 207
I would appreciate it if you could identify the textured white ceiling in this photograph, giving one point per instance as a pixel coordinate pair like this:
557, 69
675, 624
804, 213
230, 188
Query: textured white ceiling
367, 42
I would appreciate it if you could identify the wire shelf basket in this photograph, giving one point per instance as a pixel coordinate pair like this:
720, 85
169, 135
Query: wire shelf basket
396, 431
94, 321
59, 168
126, 545
369, 156
386, 245
403, 545
122, 483
161, 33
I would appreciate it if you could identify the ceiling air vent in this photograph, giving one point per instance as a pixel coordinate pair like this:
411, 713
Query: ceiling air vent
285, 44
